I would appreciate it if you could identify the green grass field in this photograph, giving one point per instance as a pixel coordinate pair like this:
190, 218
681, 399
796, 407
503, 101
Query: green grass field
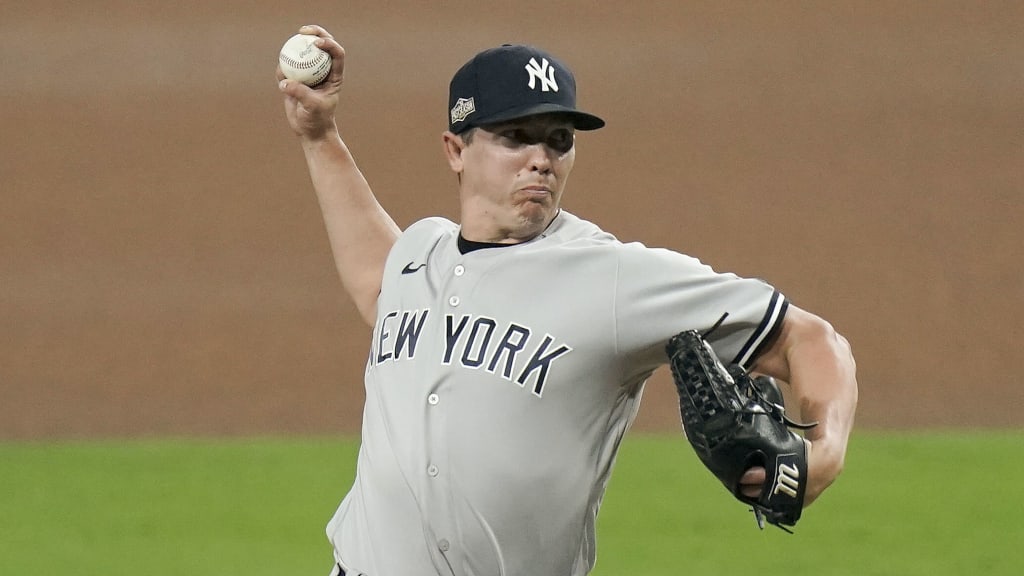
929, 504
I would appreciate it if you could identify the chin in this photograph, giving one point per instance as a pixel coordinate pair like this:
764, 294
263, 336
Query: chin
534, 223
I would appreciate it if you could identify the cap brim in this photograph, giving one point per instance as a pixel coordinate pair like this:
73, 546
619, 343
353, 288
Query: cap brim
580, 120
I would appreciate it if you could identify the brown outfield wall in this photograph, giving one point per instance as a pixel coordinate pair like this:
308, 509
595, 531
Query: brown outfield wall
163, 268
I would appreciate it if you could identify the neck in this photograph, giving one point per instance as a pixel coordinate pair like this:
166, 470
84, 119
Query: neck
489, 231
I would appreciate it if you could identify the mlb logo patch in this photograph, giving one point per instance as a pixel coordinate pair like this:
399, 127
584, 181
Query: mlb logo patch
462, 109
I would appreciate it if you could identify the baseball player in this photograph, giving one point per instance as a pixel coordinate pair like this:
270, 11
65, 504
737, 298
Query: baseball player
509, 351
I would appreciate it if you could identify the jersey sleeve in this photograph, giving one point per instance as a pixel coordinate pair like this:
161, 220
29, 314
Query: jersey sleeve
660, 293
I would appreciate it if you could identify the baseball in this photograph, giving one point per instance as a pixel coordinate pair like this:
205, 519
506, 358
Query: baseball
301, 60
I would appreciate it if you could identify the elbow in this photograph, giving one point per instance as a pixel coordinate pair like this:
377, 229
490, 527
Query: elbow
368, 313
844, 351
840, 347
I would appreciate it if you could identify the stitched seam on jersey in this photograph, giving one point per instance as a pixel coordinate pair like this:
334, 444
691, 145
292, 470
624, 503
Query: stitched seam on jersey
615, 303
772, 318
630, 408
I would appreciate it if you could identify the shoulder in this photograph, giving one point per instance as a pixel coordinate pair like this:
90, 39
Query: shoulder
433, 226
633, 259
568, 227
425, 232
571, 228
421, 239
636, 256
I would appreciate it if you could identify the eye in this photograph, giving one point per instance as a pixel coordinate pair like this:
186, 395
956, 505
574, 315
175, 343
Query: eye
561, 140
513, 137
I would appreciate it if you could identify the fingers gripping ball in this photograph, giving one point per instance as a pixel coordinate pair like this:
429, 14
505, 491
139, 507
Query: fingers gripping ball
303, 61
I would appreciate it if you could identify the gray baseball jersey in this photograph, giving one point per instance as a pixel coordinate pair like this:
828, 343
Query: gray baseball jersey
500, 383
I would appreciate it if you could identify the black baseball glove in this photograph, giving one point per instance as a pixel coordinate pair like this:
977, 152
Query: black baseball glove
736, 422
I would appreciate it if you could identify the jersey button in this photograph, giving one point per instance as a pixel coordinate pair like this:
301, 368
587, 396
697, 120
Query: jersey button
433, 399
432, 470
443, 545
460, 270
454, 300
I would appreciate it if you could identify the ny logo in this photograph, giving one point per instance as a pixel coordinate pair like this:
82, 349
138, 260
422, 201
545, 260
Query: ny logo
787, 481
544, 72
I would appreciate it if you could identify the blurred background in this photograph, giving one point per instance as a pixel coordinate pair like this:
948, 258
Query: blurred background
164, 269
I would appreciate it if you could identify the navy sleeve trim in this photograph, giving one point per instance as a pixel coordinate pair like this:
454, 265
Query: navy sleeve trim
765, 332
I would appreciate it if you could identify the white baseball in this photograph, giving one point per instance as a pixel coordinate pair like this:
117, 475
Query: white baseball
301, 60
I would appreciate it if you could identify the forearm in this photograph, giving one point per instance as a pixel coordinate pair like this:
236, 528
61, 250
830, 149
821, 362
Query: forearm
361, 233
818, 365
823, 377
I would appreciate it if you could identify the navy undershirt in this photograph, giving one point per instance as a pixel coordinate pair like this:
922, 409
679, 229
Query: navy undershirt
467, 246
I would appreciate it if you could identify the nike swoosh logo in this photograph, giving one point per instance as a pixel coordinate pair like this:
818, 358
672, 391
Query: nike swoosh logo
409, 269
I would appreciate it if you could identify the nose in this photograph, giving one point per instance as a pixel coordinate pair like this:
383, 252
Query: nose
540, 158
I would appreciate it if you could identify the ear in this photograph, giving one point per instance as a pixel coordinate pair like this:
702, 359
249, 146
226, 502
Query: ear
453, 147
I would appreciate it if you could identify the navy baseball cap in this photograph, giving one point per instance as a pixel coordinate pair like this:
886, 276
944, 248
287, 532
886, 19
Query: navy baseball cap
511, 82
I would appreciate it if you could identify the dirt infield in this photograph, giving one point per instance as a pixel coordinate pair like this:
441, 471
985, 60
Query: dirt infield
163, 268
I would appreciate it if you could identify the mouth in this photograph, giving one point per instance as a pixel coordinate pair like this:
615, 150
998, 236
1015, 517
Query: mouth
537, 189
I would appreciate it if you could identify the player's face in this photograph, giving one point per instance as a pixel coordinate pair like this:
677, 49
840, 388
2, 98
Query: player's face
513, 175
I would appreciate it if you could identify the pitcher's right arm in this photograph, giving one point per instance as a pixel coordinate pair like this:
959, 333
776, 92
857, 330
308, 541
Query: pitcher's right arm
361, 233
